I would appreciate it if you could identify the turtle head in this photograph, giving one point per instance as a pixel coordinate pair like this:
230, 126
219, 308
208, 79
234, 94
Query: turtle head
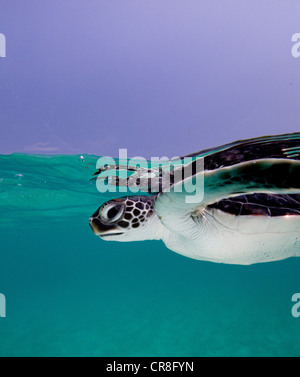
125, 219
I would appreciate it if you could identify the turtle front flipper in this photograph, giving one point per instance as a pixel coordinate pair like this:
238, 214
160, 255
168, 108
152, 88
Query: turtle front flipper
269, 176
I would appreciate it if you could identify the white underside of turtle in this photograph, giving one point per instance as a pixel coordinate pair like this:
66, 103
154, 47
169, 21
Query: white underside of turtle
226, 238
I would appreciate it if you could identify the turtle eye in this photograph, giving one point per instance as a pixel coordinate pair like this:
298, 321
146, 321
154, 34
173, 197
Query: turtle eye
112, 213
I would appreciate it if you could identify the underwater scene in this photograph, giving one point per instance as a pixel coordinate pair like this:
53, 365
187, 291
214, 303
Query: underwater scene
69, 293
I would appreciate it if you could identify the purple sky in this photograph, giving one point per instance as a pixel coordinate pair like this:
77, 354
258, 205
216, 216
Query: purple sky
158, 77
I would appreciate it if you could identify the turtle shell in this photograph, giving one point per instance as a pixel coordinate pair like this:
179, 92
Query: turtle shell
280, 146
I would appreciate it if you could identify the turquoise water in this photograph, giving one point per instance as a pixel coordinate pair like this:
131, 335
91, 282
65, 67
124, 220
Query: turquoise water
70, 294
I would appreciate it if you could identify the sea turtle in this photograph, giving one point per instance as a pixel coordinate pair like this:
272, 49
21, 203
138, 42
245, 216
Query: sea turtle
249, 213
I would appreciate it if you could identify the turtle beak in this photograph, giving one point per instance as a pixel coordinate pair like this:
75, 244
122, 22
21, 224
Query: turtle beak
101, 229
94, 224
